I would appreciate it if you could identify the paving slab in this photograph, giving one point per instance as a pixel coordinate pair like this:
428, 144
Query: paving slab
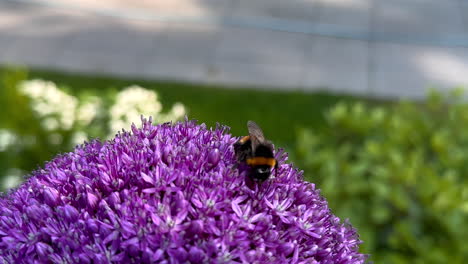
33, 51
171, 70
172, 7
112, 63
339, 65
34, 39
182, 43
304, 10
113, 36
184, 53
241, 45
416, 18
409, 70
266, 76
384, 48
463, 8
353, 14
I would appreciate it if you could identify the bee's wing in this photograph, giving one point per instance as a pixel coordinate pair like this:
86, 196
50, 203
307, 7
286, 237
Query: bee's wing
256, 134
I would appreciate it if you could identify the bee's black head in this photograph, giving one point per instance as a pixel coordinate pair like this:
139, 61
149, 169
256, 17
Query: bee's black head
260, 172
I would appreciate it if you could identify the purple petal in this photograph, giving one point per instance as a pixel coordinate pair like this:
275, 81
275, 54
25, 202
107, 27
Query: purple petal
147, 178
196, 255
196, 227
92, 200
237, 209
111, 237
131, 242
213, 157
158, 255
43, 249
114, 199
128, 229
285, 248
51, 196
92, 226
150, 190
178, 254
70, 212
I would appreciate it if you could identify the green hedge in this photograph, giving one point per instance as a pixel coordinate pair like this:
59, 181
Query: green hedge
210, 104
399, 173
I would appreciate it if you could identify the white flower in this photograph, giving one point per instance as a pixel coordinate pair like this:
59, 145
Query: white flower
79, 138
50, 123
178, 110
135, 101
59, 110
7, 138
89, 110
42, 108
12, 178
48, 100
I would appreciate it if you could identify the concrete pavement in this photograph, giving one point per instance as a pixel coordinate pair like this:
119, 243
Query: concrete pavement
382, 48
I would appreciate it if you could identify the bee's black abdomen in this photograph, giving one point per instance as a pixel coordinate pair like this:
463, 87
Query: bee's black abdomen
263, 151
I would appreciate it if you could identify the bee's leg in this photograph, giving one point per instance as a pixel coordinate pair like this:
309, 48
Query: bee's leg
276, 168
265, 187
249, 182
267, 190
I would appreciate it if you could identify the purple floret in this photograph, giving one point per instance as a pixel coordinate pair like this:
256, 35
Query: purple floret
169, 193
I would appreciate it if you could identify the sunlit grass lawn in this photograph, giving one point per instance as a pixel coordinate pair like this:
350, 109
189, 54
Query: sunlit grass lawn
279, 113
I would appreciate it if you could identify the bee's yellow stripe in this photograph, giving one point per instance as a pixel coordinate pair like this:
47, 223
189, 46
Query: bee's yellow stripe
261, 161
244, 139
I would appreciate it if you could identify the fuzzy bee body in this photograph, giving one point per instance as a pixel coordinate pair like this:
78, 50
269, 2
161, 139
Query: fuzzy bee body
257, 152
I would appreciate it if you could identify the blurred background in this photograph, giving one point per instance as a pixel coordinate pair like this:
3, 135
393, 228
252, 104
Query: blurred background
367, 96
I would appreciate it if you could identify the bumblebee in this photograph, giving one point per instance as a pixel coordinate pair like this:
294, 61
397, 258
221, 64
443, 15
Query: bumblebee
256, 152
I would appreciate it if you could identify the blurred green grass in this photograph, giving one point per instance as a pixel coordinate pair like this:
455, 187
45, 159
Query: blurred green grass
279, 113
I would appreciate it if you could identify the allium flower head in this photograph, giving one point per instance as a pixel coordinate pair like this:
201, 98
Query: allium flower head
170, 193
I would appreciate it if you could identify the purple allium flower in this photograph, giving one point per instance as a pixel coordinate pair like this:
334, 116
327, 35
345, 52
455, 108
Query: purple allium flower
168, 194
